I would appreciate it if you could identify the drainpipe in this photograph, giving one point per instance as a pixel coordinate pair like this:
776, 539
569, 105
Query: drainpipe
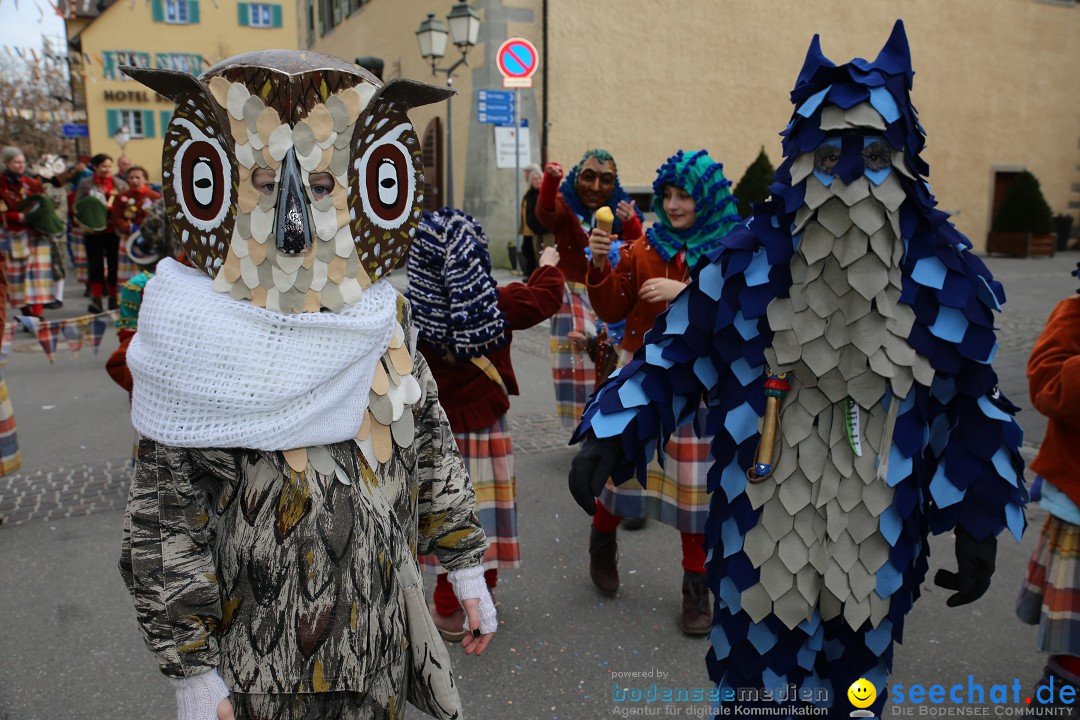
547, 74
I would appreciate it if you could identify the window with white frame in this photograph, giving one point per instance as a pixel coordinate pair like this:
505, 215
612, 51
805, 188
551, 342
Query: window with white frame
181, 62
176, 11
113, 59
133, 119
259, 15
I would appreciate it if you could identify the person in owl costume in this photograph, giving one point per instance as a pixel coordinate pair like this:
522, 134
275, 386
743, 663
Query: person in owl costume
851, 293
295, 456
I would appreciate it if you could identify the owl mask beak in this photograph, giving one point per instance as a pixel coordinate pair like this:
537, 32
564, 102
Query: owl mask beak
293, 226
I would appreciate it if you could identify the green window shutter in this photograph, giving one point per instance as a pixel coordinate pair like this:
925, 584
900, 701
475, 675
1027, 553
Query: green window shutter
112, 121
275, 14
109, 68
148, 123
193, 12
159, 10
243, 14
166, 116
161, 61
196, 65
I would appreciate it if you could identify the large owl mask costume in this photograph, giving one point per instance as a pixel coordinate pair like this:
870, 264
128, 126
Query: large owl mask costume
292, 179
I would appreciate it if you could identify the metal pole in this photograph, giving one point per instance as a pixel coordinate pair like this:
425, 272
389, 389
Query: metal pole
449, 144
450, 129
517, 161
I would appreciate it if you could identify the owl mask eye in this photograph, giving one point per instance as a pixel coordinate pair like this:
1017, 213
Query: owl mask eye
389, 180
203, 177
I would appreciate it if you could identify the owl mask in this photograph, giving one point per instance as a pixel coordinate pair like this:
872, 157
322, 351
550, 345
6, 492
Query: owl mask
294, 180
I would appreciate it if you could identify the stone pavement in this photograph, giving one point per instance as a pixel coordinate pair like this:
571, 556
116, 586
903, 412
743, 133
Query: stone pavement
71, 649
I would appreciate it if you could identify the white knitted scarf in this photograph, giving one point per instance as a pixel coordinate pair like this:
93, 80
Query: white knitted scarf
211, 371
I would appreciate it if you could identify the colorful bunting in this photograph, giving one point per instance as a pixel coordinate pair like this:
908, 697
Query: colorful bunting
75, 332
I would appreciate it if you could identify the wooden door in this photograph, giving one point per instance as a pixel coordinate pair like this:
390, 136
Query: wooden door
1003, 180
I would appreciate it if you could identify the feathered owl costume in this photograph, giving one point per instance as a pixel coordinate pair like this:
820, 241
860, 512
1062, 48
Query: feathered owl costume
851, 282
296, 456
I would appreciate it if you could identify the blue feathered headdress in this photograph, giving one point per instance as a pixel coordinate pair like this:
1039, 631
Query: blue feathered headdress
569, 190
454, 299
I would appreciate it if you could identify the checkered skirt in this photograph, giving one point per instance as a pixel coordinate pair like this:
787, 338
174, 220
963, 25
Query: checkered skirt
571, 369
676, 494
1050, 595
77, 251
489, 458
125, 266
29, 267
10, 460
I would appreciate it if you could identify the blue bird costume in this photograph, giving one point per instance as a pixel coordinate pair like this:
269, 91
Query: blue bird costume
849, 279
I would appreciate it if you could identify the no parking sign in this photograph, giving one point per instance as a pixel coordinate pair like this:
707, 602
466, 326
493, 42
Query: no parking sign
517, 60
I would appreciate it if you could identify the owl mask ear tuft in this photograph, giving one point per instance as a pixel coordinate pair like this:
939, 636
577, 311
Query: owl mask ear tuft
411, 94
170, 83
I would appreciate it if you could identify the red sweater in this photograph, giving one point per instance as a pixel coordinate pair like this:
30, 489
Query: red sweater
471, 399
1054, 383
614, 293
12, 194
570, 239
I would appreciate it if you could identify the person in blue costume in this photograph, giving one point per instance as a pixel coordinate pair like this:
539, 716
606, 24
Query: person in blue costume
851, 304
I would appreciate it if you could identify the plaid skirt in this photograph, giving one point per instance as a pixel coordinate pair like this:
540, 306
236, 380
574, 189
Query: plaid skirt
125, 266
77, 251
10, 460
29, 268
489, 458
1050, 595
676, 494
571, 369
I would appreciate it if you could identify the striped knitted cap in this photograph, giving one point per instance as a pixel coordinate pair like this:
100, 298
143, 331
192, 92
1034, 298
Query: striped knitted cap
455, 303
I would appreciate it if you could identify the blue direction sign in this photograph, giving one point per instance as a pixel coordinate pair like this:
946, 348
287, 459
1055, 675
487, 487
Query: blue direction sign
75, 131
495, 107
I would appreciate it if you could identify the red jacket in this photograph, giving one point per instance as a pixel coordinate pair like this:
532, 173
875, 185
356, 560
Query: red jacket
614, 293
471, 399
12, 194
570, 239
131, 208
1054, 382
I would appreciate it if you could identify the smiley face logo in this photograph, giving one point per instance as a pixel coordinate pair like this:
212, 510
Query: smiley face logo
862, 693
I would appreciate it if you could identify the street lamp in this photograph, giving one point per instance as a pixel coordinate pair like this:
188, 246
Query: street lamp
432, 37
122, 137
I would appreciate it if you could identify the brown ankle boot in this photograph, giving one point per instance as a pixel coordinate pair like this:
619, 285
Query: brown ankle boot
603, 561
696, 604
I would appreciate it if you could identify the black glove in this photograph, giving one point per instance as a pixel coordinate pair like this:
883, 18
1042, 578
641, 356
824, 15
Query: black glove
591, 468
975, 561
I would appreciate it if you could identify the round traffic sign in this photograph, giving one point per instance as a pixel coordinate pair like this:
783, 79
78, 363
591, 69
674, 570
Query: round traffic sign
517, 58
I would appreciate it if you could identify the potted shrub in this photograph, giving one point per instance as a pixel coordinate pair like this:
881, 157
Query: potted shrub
754, 186
1023, 225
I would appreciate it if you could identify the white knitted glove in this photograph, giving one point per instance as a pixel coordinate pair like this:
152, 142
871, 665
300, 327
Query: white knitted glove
198, 696
469, 583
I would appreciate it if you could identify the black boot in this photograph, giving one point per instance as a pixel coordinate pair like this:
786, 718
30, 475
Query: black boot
696, 604
604, 561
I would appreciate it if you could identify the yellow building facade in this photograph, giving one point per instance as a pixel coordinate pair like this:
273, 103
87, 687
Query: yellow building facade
183, 35
995, 83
